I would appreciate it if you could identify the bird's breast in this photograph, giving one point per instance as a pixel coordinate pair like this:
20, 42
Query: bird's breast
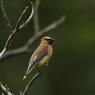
50, 50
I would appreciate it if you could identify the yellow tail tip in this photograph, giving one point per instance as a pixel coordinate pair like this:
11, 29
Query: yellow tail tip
24, 77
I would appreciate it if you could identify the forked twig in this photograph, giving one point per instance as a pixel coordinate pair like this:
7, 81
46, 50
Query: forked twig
17, 28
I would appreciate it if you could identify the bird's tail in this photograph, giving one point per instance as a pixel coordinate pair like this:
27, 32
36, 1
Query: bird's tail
24, 77
28, 72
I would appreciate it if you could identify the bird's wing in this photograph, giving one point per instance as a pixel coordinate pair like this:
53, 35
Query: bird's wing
36, 58
41, 54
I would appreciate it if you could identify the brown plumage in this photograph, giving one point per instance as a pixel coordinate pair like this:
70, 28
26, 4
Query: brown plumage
41, 55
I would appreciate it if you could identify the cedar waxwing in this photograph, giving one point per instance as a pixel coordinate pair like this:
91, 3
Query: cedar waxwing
41, 55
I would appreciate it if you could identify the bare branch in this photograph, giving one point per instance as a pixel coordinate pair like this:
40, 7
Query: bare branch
29, 18
5, 90
14, 52
2, 53
30, 83
5, 15
52, 26
20, 18
26, 47
3, 93
16, 29
36, 17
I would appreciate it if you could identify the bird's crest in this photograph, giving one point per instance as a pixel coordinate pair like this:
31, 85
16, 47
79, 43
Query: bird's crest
47, 38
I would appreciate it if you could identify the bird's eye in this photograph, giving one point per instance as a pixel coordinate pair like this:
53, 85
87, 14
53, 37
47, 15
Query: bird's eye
48, 39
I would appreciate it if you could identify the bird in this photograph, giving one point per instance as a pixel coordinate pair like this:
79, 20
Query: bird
41, 55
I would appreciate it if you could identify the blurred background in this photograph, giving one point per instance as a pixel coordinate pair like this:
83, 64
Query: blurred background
71, 70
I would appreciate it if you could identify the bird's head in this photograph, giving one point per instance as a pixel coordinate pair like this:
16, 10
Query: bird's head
49, 40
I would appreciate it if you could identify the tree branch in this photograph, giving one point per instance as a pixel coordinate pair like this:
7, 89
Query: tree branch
30, 83
29, 18
17, 28
36, 17
5, 15
26, 47
52, 26
5, 90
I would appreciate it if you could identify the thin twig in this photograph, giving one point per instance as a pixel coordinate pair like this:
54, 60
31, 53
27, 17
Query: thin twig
5, 15
36, 17
26, 47
17, 28
5, 90
29, 18
3, 93
30, 83
14, 52
20, 18
52, 26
